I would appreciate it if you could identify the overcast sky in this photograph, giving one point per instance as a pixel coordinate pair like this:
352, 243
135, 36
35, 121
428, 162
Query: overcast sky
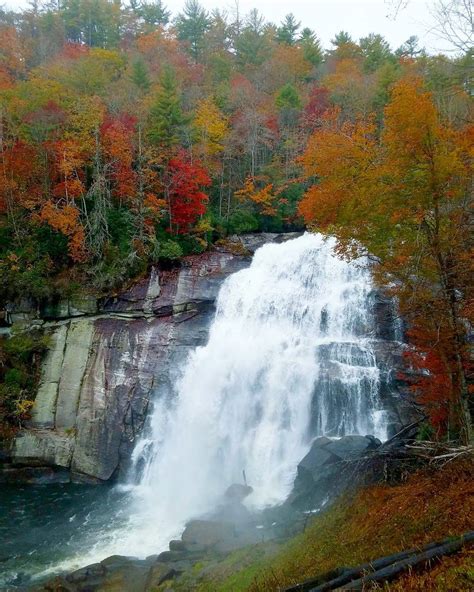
327, 17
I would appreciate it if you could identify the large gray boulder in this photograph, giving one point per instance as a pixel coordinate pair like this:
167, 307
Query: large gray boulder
327, 470
217, 536
203, 535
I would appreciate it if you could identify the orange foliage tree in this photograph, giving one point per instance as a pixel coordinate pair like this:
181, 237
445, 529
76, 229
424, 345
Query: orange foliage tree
404, 196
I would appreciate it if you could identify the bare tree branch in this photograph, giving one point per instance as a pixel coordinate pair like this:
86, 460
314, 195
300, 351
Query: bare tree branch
395, 6
455, 23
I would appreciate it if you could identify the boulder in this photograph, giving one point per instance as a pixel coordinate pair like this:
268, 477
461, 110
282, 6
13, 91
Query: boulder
203, 535
160, 573
325, 471
114, 574
125, 573
43, 446
237, 492
88, 573
350, 447
177, 545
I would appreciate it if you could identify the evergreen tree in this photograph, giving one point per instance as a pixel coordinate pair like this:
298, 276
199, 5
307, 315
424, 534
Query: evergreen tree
192, 25
311, 47
342, 38
376, 51
345, 47
140, 75
288, 103
410, 48
288, 98
96, 24
154, 14
251, 44
286, 33
166, 116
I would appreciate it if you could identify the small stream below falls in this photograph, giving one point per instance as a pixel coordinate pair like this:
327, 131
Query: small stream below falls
289, 357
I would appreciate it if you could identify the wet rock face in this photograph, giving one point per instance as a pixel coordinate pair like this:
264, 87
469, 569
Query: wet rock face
108, 357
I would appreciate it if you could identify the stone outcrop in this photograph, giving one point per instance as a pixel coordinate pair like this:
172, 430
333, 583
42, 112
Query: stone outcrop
325, 472
108, 357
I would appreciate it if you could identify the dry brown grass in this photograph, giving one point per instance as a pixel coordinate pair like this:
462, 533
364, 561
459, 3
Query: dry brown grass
381, 520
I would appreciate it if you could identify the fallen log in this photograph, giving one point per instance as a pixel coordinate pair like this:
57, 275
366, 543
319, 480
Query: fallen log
334, 579
325, 577
425, 558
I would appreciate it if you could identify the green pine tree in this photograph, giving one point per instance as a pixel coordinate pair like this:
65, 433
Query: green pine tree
192, 25
288, 98
167, 119
140, 75
311, 47
286, 33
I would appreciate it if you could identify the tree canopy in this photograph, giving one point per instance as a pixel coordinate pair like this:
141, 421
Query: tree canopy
128, 134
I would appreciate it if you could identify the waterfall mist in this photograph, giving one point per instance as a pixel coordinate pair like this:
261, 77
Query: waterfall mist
288, 358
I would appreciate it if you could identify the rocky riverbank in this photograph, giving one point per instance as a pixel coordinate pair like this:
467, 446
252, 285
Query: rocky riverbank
323, 475
372, 501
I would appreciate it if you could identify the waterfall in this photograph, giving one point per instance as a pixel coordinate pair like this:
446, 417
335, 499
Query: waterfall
289, 357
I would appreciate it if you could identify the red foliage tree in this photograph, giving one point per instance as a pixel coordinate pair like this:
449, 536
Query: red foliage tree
186, 200
20, 177
317, 105
117, 140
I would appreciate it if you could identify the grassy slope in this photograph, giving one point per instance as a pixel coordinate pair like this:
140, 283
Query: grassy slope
378, 521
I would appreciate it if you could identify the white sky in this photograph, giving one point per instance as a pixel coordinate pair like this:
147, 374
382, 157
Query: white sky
328, 17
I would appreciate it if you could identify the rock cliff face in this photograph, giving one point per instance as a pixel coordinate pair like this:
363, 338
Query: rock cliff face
106, 359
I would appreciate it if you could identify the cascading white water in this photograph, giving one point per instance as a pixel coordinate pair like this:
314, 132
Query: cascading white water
288, 358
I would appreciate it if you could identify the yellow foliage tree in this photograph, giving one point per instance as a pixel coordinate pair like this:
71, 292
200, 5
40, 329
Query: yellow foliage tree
263, 199
212, 127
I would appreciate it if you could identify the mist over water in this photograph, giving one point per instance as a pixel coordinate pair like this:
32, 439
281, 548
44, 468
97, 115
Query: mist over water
289, 357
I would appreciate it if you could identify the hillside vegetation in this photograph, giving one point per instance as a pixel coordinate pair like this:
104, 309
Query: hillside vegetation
378, 521
129, 136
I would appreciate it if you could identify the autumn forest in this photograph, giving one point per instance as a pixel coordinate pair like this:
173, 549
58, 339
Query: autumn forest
130, 136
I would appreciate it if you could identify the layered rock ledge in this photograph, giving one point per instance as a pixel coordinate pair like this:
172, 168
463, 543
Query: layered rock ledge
109, 356
106, 359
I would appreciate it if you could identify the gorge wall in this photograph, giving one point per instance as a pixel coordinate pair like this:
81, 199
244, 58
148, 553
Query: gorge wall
107, 358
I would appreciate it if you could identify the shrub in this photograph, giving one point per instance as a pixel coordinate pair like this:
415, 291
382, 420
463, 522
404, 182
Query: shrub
242, 221
20, 357
170, 250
